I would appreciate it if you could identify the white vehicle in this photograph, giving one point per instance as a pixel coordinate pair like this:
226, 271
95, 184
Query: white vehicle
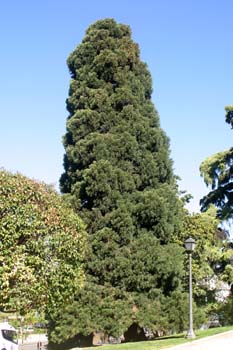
8, 337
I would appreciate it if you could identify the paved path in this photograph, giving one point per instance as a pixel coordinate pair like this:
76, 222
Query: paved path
34, 346
223, 341
33, 341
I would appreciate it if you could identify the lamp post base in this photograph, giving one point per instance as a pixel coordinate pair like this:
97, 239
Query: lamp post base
190, 334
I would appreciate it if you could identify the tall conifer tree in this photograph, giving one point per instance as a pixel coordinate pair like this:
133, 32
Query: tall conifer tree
119, 177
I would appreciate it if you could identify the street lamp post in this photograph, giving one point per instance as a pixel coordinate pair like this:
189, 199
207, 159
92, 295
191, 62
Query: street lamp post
190, 246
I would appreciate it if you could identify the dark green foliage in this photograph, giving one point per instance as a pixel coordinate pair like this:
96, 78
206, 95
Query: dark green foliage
176, 310
217, 171
229, 115
96, 308
118, 176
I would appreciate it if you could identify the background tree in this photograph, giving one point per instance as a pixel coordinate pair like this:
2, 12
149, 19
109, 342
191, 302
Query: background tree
119, 178
217, 171
42, 244
203, 227
212, 267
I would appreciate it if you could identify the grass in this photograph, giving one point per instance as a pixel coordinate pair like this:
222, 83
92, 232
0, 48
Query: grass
163, 342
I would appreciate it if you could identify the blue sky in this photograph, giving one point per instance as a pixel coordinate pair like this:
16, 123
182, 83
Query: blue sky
186, 44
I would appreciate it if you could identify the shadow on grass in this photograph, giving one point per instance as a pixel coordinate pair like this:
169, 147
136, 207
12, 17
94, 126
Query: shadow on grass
175, 336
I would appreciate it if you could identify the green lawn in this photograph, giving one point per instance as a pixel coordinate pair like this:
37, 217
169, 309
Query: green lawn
163, 342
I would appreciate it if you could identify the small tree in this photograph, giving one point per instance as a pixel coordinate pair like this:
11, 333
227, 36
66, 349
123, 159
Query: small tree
42, 245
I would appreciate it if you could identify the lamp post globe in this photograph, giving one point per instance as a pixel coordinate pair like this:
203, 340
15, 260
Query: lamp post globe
190, 246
